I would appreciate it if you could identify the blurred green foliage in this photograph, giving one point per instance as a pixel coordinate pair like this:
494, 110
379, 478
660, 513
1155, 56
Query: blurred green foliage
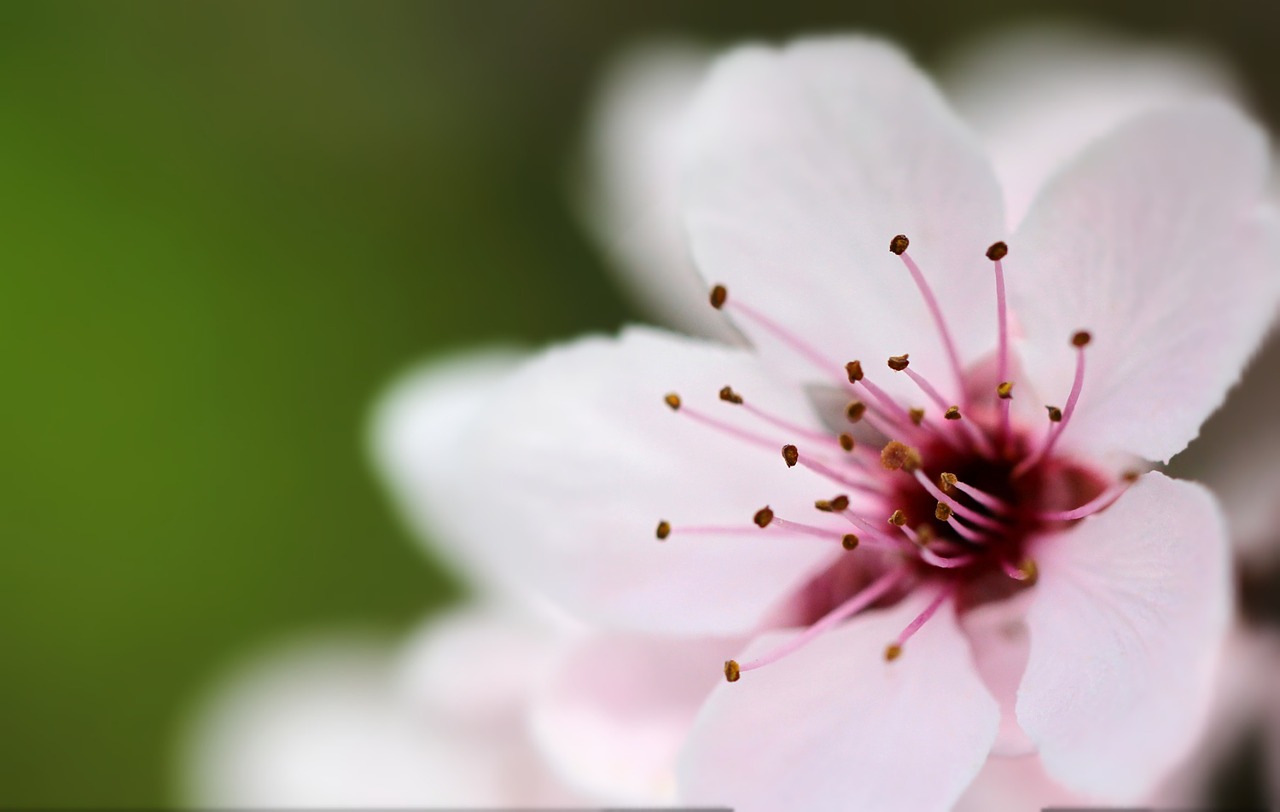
225, 227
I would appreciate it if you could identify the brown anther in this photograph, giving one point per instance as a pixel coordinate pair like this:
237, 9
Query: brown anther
729, 396
664, 530
672, 400
892, 652
1131, 476
899, 362
898, 518
855, 410
732, 672
1055, 414
997, 251
899, 244
942, 512
849, 542
854, 368
840, 503
719, 295
790, 455
916, 415
948, 481
1028, 572
1081, 339
925, 534
763, 516
823, 505
1005, 390
847, 442
953, 413
897, 456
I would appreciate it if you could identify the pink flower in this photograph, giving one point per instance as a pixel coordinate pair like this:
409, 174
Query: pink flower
1038, 599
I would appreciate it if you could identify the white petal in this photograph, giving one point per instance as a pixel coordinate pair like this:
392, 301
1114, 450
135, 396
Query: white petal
631, 202
803, 165
321, 725
613, 717
1128, 616
414, 435
578, 458
1154, 241
835, 727
1038, 94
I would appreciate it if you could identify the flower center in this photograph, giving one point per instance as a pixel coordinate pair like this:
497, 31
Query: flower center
947, 498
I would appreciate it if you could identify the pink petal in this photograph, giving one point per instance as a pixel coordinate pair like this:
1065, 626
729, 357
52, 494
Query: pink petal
321, 725
613, 717
1018, 785
1038, 94
414, 438
804, 163
1154, 241
1000, 644
631, 200
1238, 456
835, 727
1128, 617
577, 459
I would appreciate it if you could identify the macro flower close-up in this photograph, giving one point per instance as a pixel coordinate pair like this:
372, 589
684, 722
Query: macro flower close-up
923, 492
716, 406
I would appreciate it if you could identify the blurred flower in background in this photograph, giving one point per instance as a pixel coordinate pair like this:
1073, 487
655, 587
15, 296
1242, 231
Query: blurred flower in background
591, 716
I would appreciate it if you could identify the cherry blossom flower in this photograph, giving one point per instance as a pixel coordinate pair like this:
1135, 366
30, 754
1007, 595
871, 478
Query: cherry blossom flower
1128, 299
910, 649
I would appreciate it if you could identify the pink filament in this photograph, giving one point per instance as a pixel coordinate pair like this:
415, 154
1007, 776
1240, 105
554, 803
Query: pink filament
932, 302
878, 589
789, 338
982, 497
1097, 504
1055, 430
1002, 365
923, 617
959, 509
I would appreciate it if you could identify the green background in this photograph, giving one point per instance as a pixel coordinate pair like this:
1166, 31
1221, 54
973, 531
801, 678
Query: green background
224, 229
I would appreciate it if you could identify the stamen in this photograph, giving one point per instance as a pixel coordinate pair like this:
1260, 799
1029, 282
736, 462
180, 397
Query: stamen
664, 530
952, 413
763, 517
837, 505
949, 481
791, 455
847, 442
894, 650
1080, 340
1097, 504
720, 425
1055, 414
899, 362
897, 456
975, 434
673, 401
1027, 572
849, 541
877, 590
932, 303
946, 562
855, 411
960, 510
1004, 391
729, 396
854, 369
917, 416
720, 297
